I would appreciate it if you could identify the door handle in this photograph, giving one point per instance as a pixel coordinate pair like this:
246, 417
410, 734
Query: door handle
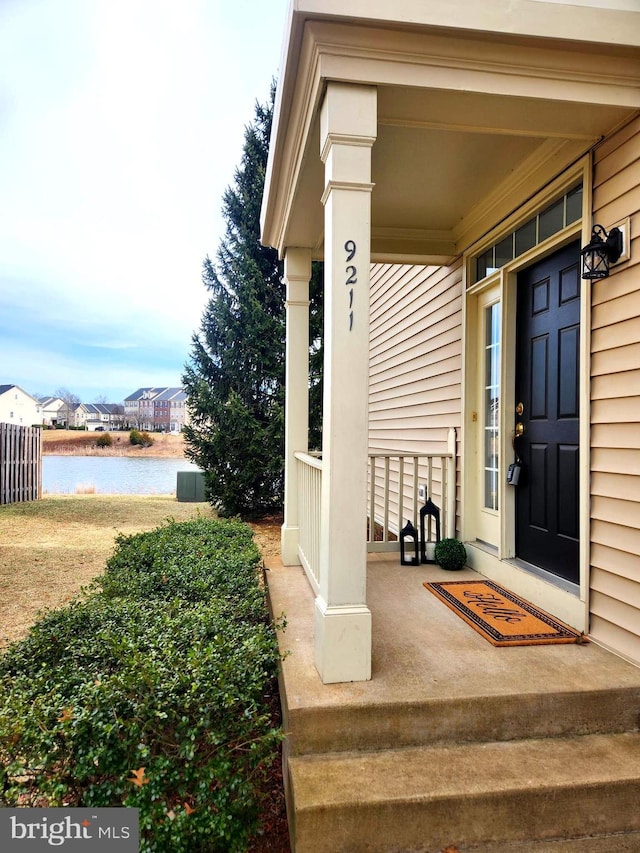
519, 429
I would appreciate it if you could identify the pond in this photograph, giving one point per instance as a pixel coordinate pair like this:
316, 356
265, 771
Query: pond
111, 475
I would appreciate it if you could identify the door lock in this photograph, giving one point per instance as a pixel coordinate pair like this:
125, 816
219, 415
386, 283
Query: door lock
520, 408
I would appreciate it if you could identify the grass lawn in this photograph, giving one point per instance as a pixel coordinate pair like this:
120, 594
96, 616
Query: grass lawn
51, 548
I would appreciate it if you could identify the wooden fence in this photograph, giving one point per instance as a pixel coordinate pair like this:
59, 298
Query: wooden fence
20, 463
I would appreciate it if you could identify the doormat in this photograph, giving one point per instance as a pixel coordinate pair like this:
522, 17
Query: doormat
502, 617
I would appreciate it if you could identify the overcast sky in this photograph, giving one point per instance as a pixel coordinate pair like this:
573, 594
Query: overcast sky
121, 124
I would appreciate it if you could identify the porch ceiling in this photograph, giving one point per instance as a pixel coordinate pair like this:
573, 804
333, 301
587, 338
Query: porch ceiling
467, 127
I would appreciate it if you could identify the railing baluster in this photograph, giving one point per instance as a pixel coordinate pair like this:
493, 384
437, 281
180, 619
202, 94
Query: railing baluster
401, 492
415, 490
372, 499
385, 527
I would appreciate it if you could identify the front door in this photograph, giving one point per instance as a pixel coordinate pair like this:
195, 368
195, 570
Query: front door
547, 399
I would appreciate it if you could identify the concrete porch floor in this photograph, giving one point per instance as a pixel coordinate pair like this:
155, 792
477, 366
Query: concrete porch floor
441, 695
423, 652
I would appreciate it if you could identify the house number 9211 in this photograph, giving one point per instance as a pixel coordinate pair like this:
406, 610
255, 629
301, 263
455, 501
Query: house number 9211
351, 273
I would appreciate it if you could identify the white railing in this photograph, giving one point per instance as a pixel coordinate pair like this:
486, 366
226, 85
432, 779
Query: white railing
394, 483
309, 489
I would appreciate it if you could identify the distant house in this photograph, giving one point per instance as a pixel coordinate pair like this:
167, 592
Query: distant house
170, 410
159, 409
53, 410
95, 416
132, 407
179, 411
18, 407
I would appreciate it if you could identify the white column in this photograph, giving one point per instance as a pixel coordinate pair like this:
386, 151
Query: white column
342, 618
297, 273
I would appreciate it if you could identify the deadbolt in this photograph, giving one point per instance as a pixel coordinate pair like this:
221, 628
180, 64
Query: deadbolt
519, 408
519, 429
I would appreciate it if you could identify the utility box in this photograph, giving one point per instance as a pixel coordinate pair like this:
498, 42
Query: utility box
190, 486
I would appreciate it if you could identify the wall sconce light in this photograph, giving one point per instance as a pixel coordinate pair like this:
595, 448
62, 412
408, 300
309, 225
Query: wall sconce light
602, 250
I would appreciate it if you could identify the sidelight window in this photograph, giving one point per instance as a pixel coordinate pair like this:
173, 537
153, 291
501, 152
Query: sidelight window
491, 404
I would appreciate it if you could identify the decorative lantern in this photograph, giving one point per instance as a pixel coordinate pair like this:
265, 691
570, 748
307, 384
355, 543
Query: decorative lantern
409, 545
428, 545
602, 250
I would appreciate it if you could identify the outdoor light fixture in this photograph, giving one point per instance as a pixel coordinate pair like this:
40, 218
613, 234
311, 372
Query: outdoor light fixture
603, 249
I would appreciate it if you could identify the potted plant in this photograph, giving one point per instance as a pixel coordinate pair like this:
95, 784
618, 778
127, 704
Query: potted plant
450, 554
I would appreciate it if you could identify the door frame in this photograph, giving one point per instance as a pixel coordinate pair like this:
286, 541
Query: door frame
498, 561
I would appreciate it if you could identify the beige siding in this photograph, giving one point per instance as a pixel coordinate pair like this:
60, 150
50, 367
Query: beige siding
415, 363
615, 407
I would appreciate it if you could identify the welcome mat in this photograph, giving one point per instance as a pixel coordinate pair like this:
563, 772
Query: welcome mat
500, 616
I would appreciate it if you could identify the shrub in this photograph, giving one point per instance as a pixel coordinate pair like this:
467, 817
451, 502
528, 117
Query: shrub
104, 440
450, 554
143, 439
152, 691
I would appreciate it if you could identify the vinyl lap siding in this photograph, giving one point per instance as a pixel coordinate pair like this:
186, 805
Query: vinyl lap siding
415, 362
615, 407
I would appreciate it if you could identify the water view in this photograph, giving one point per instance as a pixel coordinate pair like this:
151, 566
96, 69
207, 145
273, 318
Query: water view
110, 475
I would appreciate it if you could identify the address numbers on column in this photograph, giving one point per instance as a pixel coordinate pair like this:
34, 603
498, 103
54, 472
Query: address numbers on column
351, 276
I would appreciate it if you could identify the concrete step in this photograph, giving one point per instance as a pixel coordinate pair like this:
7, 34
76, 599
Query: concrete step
422, 799
366, 726
619, 842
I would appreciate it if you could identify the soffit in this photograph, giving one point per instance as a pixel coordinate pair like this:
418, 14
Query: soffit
465, 128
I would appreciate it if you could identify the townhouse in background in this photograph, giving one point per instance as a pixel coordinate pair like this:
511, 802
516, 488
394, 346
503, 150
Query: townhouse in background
157, 409
99, 416
149, 408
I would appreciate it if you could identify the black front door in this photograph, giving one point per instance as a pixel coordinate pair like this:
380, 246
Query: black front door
547, 389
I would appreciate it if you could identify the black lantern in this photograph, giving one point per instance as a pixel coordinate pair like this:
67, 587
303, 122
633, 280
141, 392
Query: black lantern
602, 250
429, 511
409, 545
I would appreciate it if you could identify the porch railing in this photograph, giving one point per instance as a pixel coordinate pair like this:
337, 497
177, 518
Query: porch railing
394, 493
309, 489
394, 481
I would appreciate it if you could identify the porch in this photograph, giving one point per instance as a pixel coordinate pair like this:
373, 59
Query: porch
459, 139
453, 741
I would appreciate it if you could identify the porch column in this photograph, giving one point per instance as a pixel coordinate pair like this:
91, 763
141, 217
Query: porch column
297, 273
342, 618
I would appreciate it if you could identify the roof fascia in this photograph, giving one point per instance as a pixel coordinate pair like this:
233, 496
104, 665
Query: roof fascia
413, 43
604, 22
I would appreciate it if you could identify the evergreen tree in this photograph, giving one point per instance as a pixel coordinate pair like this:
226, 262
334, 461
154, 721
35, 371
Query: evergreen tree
235, 377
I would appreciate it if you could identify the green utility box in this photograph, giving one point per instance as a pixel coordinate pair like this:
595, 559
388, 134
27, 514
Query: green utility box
190, 486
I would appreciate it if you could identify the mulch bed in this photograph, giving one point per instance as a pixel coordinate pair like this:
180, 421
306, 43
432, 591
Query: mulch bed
275, 828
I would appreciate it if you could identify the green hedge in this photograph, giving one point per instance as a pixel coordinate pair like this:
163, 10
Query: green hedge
154, 690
